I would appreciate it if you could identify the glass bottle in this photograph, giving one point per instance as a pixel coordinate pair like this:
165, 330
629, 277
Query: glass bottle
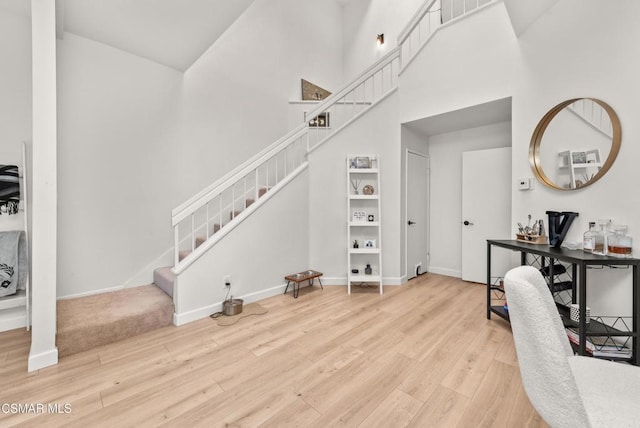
589, 239
599, 246
620, 244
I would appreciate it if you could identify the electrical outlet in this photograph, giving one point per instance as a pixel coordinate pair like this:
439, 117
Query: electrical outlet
227, 281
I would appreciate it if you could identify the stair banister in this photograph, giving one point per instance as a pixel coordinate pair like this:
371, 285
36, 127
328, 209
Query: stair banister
333, 99
202, 197
415, 20
185, 209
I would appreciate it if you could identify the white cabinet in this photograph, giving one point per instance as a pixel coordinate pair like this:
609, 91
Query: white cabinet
364, 253
579, 166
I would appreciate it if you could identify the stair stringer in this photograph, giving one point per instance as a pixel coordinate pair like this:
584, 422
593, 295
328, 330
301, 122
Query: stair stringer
271, 242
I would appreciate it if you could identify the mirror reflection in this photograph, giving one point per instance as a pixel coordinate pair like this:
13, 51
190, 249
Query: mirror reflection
575, 144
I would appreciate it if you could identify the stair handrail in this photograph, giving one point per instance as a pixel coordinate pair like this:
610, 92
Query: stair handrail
201, 198
367, 73
415, 21
414, 29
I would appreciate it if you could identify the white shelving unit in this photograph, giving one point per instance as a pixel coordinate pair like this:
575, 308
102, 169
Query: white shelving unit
15, 309
579, 166
363, 221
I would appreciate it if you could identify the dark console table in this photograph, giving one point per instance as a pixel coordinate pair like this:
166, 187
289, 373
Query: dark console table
579, 262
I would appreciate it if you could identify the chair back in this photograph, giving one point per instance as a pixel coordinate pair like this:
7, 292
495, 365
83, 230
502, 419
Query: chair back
542, 347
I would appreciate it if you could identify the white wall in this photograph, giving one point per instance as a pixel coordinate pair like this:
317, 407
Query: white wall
118, 179
15, 84
466, 63
377, 132
236, 95
581, 49
445, 156
363, 21
269, 244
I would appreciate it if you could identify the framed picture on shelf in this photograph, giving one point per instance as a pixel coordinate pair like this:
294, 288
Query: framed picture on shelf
320, 121
369, 243
359, 216
579, 157
363, 162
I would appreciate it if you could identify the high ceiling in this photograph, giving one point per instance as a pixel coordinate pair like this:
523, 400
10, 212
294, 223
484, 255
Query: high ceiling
174, 33
164, 31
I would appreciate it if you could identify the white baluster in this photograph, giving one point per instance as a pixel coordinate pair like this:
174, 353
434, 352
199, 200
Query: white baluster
176, 244
206, 225
193, 231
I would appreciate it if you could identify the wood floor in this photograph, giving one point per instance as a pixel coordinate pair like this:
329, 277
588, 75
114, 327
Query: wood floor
422, 355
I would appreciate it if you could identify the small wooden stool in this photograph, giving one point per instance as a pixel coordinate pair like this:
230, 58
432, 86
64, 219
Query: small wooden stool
297, 278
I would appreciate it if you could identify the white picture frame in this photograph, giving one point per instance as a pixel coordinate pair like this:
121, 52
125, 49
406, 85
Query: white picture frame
359, 216
363, 162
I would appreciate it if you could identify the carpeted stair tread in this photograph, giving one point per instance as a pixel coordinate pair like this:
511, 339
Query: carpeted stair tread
164, 278
182, 254
88, 322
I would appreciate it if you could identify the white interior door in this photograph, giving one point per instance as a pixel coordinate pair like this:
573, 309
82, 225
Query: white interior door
417, 186
486, 210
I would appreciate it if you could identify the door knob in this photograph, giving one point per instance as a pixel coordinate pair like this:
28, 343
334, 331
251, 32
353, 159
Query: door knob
411, 222
467, 223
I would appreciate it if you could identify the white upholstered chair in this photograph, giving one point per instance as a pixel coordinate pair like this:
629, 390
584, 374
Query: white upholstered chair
566, 390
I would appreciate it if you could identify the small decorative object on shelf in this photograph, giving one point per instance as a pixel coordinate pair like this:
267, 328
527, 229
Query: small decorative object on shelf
619, 244
355, 244
359, 216
363, 162
574, 313
589, 238
532, 235
354, 271
559, 223
368, 190
370, 217
370, 243
355, 184
579, 157
368, 269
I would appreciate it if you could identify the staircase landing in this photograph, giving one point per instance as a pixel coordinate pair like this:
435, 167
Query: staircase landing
88, 322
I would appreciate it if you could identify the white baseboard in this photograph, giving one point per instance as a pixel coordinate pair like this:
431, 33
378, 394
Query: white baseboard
11, 319
205, 311
43, 359
444, 271
92, 292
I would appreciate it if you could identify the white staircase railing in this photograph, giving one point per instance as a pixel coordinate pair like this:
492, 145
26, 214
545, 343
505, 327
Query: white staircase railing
207, 217
432, 15
593, 114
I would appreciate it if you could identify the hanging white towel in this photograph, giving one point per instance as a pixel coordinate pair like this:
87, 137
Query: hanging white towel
13, 262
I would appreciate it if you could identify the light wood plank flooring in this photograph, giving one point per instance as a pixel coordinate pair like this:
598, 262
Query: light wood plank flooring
422, 355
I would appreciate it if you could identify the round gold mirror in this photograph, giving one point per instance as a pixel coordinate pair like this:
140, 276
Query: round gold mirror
575, 144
